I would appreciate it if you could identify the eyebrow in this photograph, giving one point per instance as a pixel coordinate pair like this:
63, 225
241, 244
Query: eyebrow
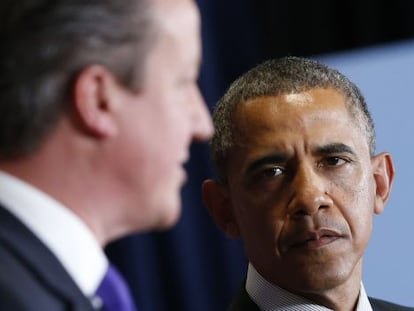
334, 148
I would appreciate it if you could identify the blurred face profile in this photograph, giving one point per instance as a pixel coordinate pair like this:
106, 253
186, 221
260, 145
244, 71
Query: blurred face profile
164, 117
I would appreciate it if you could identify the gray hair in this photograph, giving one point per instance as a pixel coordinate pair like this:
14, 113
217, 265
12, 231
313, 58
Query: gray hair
45, 44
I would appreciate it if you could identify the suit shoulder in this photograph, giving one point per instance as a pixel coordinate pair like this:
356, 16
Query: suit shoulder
382, 305
243, 302
20, 288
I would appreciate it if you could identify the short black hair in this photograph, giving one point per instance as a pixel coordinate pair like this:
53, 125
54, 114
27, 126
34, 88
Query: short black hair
282, 76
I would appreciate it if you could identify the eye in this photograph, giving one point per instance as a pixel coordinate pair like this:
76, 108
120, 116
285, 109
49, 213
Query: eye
273, 171
333, 161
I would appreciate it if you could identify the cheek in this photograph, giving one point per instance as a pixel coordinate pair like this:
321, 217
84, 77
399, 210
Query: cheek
260, 212
358, 192
261, 230
260, 221
166, 127
356, 201
174, 120
363, 211
353, 186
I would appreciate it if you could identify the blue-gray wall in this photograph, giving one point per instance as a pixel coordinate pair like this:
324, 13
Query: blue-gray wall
385, 74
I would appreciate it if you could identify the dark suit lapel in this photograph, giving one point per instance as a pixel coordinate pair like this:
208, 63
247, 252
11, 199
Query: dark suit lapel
381, 305
243, 302
32, 253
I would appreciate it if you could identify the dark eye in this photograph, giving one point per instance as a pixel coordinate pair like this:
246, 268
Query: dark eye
333, 161
273, 171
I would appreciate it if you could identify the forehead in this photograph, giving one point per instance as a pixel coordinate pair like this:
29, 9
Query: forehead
179, 30
316, 116
176, 16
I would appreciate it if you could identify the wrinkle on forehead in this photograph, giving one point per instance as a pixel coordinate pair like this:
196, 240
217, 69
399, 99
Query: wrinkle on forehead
290, 113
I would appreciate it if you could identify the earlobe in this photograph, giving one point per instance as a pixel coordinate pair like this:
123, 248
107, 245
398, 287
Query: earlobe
383, 170
217, 201
93, 103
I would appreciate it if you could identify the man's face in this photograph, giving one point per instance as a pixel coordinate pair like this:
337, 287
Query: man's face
302, 188
163, 118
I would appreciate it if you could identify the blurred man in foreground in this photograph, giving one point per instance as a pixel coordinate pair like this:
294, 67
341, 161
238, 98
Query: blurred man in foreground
98, 106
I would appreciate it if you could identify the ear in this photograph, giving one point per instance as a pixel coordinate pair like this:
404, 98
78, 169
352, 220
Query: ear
93, 102
383, 170
217, 201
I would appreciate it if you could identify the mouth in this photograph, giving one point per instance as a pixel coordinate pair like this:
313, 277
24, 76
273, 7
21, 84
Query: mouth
316, 239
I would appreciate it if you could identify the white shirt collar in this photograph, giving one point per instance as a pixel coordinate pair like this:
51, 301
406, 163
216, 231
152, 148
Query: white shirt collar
270, 297
62, 231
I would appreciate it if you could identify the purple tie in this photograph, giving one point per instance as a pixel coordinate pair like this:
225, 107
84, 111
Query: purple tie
114, 292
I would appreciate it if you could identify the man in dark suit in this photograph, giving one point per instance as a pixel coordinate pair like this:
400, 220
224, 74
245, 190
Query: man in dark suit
98, 106
243, 302
299, 181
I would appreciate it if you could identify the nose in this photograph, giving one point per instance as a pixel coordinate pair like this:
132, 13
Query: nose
309, 192
202, 123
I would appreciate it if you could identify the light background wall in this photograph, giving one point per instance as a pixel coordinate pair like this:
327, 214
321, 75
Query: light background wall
385, 75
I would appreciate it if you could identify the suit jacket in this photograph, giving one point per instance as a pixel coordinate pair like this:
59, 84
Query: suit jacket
243, 302
31, 277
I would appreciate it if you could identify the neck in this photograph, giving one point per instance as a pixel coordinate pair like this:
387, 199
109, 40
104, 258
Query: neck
75, 177
343, 297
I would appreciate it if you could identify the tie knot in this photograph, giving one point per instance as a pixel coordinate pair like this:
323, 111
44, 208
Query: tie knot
114, 292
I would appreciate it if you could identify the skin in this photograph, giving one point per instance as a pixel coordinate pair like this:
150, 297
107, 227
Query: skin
116, 160
171, 114
301, 192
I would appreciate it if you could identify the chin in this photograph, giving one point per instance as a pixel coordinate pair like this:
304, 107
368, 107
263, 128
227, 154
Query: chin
319, 282
167, 223
170, 215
